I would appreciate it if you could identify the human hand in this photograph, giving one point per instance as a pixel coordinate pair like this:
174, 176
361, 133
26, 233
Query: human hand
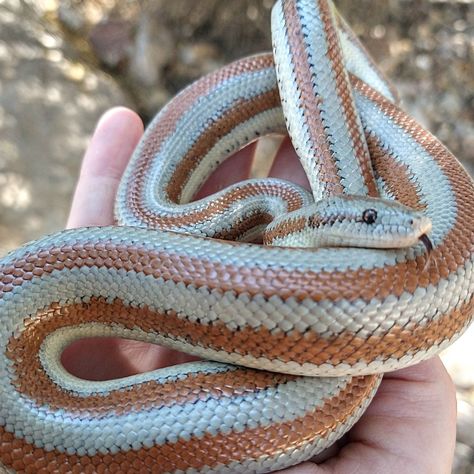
410, 425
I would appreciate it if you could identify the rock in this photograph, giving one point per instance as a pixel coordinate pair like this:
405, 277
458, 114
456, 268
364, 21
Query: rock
48, 108
152, 50
71, 17
111, 41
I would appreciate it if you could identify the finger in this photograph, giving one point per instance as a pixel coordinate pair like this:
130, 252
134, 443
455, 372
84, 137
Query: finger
427, 371
109, 151
419, 406
414, 381
112, 358
287, 165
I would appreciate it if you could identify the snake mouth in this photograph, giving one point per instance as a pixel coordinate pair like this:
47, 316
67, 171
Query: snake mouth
427, 243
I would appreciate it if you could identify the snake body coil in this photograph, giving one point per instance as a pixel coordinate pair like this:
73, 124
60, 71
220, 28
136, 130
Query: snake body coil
366, 301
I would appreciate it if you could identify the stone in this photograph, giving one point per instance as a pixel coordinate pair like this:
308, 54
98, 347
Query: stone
151, 51
71, 17
111, 41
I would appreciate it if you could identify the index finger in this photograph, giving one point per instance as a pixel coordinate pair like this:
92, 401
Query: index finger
115, 137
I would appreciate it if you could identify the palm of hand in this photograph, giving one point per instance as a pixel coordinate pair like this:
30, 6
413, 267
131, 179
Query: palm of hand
410, 425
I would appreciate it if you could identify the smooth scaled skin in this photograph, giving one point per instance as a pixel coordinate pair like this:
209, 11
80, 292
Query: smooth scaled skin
410, 426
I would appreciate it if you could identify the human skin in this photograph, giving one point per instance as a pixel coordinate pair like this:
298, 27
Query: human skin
410, 426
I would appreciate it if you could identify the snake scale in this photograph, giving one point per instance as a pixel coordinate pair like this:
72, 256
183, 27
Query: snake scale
369, 272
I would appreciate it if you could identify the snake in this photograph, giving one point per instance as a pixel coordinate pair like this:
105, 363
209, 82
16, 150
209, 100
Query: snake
296, 300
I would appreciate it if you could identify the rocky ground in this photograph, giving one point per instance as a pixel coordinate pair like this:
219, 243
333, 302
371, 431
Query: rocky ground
62, 63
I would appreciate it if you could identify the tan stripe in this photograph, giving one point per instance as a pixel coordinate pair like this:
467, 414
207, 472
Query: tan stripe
399, 181
188, 97
197, 452
171, 115
294, 225
239, 229
291, 196
294, 346
458, 245
33, 382
327, 171
344, 92
239, 112
284, 228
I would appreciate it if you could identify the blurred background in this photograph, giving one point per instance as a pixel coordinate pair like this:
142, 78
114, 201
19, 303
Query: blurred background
63, 63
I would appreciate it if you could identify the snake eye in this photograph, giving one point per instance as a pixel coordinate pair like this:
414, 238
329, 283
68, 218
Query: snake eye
369, 216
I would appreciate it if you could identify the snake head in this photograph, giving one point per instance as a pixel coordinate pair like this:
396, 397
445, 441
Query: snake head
352, 221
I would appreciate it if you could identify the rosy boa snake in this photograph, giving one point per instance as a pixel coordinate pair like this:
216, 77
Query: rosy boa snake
340, 311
